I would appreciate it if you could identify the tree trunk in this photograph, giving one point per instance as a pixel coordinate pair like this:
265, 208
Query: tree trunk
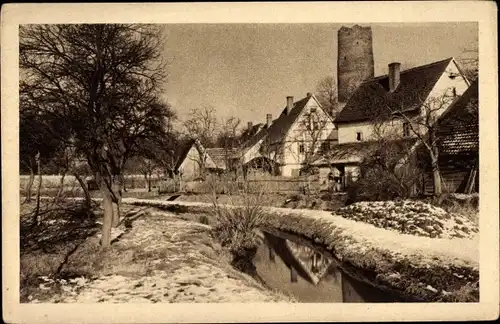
123, 183
29, 185
108, 217
84, 188
117, 200
436, 177
146, 180
107, 200
61, 186
149, 182
37, 210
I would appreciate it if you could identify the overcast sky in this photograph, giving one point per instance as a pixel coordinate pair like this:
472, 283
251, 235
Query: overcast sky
247, 70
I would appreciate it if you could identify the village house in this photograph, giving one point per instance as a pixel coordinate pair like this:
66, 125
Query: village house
288, 143
195, 161
249, 155
386, 107
458, 133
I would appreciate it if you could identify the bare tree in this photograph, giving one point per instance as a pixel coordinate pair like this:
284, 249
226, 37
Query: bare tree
229, 140
326, 92
311, 136
424, 126
202, 124
272, 155
36, 140
469, 60
102, 81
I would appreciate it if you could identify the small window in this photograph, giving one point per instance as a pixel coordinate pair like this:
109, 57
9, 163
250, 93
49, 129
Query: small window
359, 136
301, 148
315, 125
406, 129
313, 110
325, 146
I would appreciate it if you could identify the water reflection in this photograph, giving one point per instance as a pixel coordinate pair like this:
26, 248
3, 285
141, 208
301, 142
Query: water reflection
308, 275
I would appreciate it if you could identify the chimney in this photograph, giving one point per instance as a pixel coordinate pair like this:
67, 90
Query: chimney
394, 74
250, 125
309, 94
289, 104
269, 119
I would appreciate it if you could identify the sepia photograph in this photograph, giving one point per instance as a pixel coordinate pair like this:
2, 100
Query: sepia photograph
289, 163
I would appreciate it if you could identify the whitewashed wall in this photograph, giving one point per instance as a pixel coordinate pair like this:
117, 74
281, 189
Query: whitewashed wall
190, 167
347, 132
298, 135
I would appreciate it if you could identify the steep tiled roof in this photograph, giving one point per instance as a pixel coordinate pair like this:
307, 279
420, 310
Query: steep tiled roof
252, 141
182, 151
354, 152
372, 96
279, 128
219, 156
459, 126
248, 133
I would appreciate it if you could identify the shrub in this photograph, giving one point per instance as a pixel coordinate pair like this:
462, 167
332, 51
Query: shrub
204, 220
379, 184
167, 186
383, 176
236, 227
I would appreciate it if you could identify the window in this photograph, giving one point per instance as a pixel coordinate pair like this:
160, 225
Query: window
315, 125
359, 136
313, 110
301, 148
325, 146
406, 129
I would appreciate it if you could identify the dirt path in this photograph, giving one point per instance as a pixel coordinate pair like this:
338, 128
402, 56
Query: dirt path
160, 259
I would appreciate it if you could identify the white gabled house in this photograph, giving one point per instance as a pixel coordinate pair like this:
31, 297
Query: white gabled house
289, 142
194, 160
409, 89
370, 110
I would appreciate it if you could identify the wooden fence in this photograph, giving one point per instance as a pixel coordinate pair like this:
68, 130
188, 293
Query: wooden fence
249, 186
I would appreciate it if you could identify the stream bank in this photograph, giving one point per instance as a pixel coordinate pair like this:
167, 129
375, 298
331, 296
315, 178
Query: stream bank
422, 268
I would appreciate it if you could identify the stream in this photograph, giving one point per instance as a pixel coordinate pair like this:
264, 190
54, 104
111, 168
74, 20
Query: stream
310, 276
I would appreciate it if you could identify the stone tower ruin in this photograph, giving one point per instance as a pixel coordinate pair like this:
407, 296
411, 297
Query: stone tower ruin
354, 60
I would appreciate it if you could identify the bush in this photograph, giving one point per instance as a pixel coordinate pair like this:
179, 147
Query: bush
377, 184
236, 227
167, 186
204, 220
383, 176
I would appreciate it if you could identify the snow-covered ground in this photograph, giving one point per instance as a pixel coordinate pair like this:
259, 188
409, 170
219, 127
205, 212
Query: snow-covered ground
182, 264
449, 250
411, 217
431, 267
418, 265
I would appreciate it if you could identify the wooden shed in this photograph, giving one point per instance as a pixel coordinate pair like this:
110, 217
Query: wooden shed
458, 133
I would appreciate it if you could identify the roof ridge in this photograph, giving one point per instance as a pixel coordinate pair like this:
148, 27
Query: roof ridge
411, 69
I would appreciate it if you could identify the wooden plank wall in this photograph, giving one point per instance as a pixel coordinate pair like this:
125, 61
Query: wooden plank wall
454, 181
